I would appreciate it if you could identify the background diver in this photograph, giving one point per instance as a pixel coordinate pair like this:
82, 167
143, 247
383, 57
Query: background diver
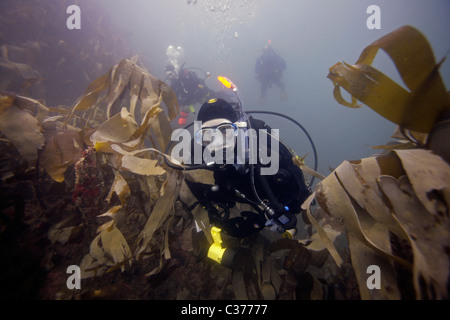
269, 69
276, 199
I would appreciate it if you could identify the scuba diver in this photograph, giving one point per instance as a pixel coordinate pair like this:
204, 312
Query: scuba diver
189, 88
269, 70
239, 177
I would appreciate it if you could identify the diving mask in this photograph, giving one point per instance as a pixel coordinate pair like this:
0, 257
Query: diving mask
217, 133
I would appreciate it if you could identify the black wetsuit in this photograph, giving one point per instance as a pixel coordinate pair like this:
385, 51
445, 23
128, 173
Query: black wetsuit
269, 70
189, 88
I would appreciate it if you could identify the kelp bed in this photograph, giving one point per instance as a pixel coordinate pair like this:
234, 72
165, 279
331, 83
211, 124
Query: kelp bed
88, 186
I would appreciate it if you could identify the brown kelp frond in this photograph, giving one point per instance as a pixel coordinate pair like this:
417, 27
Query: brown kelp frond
394, 207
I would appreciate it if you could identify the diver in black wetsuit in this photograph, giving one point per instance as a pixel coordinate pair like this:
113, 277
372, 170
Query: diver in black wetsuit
236, 148
189, 89
276, 198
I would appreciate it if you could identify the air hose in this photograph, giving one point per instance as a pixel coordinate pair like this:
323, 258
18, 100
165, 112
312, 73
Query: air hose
274, 203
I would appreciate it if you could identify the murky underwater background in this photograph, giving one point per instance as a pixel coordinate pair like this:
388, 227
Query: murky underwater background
311, 36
